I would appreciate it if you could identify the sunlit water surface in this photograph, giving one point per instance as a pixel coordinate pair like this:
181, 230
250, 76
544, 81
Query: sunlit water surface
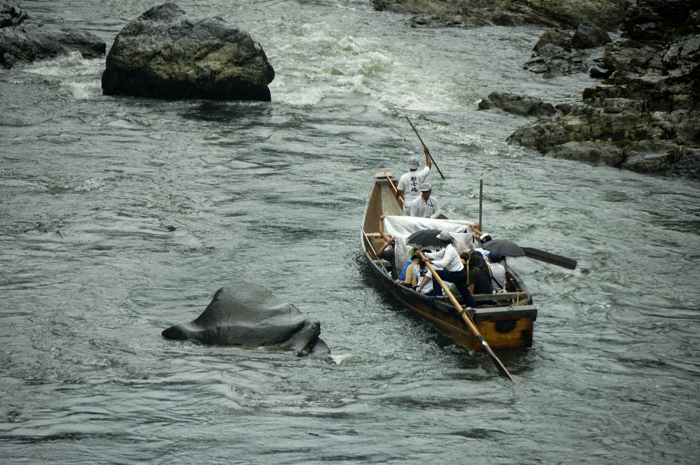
120, 217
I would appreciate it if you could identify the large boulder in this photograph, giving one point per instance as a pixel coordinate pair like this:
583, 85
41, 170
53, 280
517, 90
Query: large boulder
167, 54
248, 315
588, 35
23, 40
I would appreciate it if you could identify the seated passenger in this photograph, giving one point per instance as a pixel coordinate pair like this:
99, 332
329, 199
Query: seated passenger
386, 252
478, 273
406, 276
498, 271
425, 279
425, 284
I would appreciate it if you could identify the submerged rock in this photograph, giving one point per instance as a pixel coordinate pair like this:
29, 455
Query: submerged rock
248, 315
519, 105
167, 54
23, 40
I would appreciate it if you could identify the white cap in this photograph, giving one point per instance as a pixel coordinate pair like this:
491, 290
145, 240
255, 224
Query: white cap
445, 236
413, 163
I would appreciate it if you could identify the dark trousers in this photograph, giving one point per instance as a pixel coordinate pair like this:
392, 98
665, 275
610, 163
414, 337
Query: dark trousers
459, 278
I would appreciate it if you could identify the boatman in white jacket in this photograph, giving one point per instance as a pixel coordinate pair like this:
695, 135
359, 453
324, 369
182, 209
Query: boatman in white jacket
425, 206
452, 267
409, 183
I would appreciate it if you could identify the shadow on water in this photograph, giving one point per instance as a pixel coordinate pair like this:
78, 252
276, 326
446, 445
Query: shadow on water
223, 112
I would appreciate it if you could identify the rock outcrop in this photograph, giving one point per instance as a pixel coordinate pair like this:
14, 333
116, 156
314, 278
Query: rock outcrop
23, 40
167, 54
558, 53
248, 315
472, 13
645, 116
516, 104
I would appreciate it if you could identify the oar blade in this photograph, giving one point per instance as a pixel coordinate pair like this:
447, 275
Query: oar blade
548, 257
496, 361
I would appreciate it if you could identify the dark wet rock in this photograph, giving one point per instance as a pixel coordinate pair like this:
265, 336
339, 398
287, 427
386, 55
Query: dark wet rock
558, 53
168, 54
23, 40
565, 108
645, 115
620, 133
596, 73
588, 35
519, 105
552, 61
557, 37
473, 13
248, 315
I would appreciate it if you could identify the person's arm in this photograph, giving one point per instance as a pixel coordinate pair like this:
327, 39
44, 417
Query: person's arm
423, 282
388, 239
427, 157
384, 247
446, 258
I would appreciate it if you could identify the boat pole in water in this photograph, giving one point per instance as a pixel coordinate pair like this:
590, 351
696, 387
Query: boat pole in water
472, 327
426, 148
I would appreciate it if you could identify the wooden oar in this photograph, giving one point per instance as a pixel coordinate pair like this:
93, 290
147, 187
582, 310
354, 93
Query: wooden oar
472, 327
393, 187
426, 148
548, 257
481, 196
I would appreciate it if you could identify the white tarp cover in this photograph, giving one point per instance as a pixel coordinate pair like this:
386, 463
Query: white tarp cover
400, 227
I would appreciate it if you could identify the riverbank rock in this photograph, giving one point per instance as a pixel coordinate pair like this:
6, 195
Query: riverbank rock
558, 53
644, 117
23, 40
519, 105
168, 54
607, 14
248, 315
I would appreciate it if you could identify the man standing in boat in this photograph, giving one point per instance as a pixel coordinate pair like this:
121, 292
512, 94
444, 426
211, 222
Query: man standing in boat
409, 183
425, 206
452, 267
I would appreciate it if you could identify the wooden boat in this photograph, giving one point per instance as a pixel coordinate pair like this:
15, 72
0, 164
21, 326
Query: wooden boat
505, 320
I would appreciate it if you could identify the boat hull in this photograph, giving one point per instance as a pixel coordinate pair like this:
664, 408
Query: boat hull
506, 321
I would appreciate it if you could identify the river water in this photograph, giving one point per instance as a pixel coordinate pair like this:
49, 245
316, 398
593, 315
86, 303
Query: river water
120, 217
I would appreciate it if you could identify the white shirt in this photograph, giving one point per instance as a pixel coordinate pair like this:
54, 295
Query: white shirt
447, 259
424, 209
410, 184
499, 274
428, 288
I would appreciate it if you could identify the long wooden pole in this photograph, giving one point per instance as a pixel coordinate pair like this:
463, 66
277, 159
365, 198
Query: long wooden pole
472, 327
393, 187
426, 148
481, 197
